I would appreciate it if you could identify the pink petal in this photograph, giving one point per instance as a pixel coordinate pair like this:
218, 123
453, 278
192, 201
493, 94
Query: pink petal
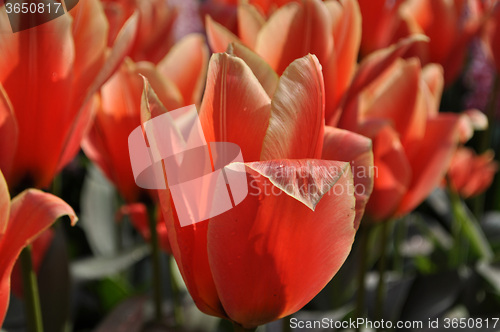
342, 64
250, 21
218, 36
235, 107
297, 113
294, 31
186, 65
264, 73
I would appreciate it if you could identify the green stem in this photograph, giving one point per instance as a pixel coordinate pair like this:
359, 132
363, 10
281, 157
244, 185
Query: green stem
176, 295
466, 229
379, 301
360, 302
155, 257
400, 232
238, 328
30, 291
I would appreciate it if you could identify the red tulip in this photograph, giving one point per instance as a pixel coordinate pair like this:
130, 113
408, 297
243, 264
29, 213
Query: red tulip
155, 33
330, 30
48, 74
272, 253
22, 220
178, 80
225, 11
450, 25
470, 174
395, 103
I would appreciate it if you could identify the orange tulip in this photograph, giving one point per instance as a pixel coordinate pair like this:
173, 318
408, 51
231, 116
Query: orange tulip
272, 253
155, 33
178, 79
22, 220
450, 25
48, 74
330, 30
225, 11
395, 102
470, 174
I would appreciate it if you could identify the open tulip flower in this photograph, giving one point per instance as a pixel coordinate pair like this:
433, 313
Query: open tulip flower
471, 174
48, 75
395, 102
450, 25
331, 30
271, 254
22, 220
178, 79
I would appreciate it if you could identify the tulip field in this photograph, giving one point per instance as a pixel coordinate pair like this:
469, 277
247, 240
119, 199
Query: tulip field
249, 165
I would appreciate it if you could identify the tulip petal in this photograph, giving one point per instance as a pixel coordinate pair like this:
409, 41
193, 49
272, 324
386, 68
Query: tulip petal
167, 91
32, 212
155, 31
392, 173
293, 31
483, 169
42, 56
90, 27
373, 65
261, 69
300, 250
369, 70
434, 83
297, 113
120, 49
8, 133
235, 107
433, 160
186, 65
340, 68
81, 122
350, 147
379, 21
189, 247
218, 36
250, 21
395, 91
